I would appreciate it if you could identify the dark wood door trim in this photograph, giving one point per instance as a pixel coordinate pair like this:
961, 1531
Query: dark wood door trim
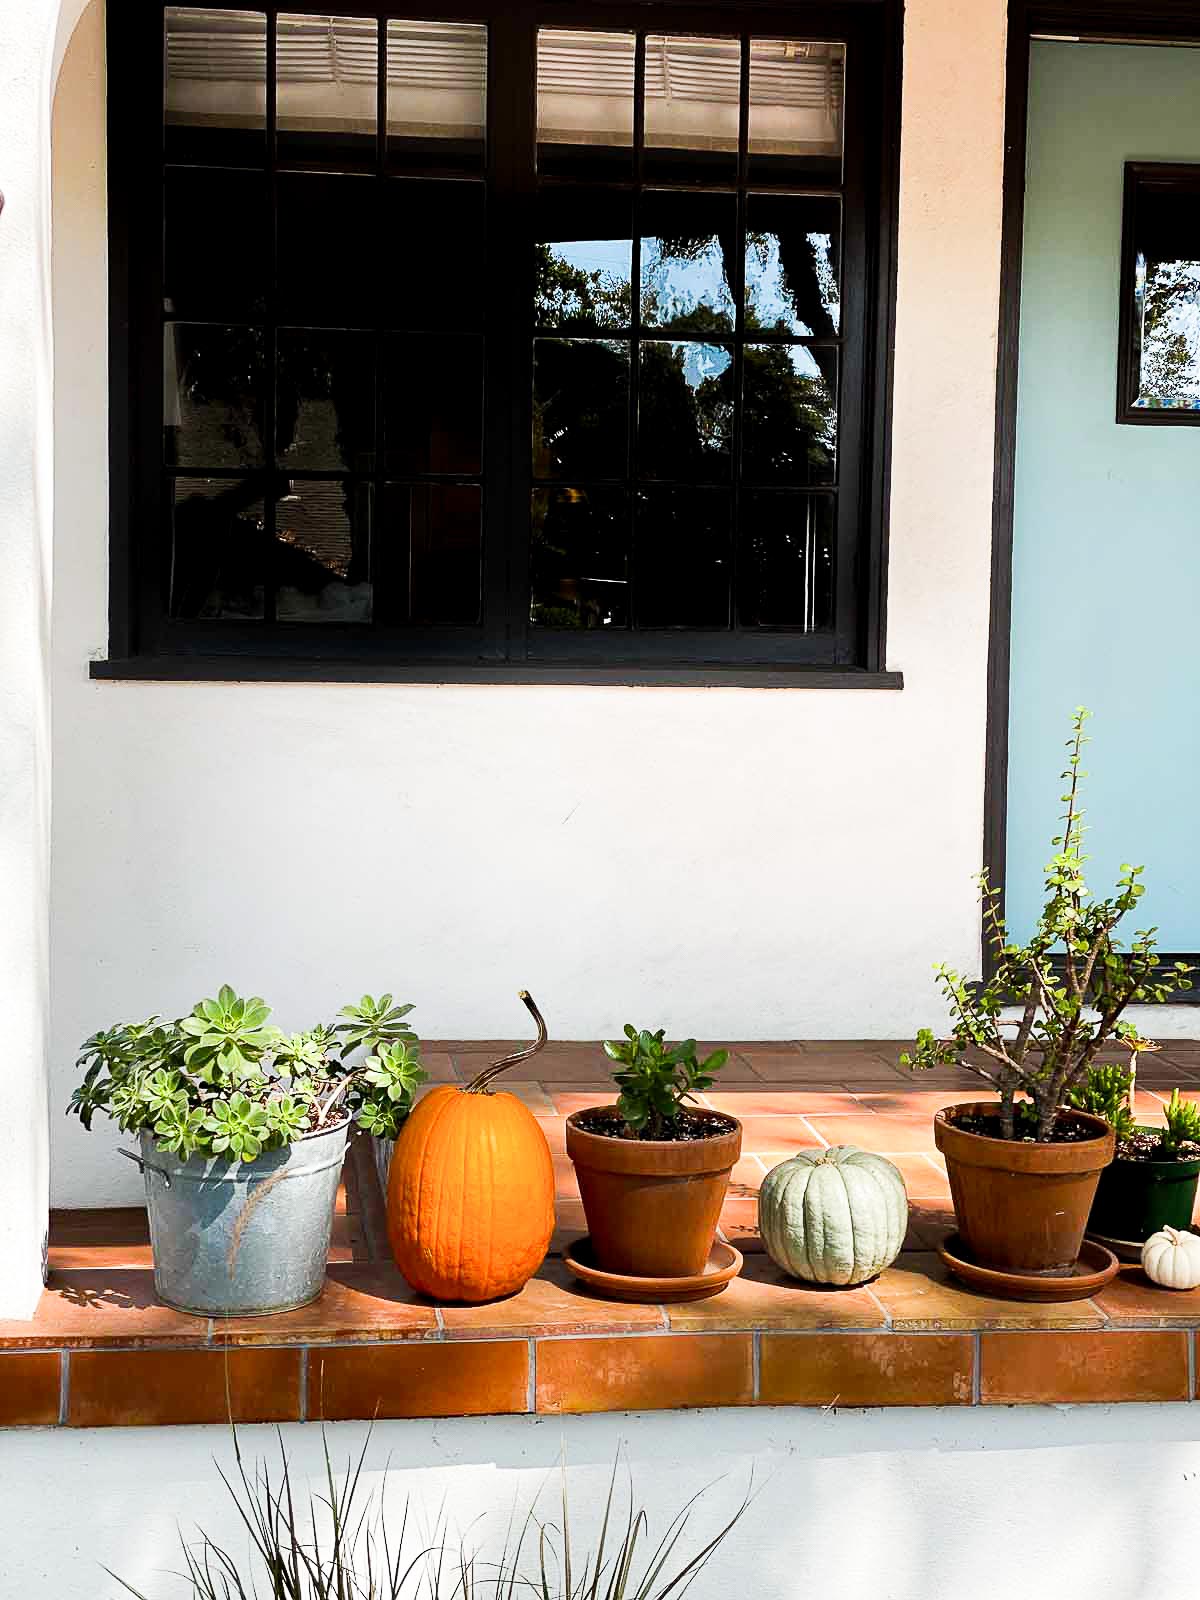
1115, 21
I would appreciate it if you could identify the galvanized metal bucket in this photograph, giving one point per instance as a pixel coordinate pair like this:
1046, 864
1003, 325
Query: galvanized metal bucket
242, 1239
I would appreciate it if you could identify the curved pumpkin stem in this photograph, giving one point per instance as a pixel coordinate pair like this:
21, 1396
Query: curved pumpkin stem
479, 1084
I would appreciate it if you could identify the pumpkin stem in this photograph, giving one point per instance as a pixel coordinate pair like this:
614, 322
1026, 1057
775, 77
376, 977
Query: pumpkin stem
479, 1084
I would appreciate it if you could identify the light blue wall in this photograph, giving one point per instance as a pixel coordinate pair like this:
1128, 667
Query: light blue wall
1106, 561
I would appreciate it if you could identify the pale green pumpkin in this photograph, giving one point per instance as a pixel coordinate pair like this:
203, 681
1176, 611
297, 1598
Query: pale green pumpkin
833, 1216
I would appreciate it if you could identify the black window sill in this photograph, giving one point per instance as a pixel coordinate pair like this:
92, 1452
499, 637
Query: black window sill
249, 669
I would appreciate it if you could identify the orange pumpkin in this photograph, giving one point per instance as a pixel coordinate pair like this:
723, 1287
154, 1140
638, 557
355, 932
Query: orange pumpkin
470, 1205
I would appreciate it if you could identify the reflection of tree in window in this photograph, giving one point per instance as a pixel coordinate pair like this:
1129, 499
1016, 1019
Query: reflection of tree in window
1169, 303
685, 411
791, 283
565, 294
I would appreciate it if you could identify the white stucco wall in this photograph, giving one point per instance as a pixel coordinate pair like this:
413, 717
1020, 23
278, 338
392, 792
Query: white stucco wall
1048, 1504
457, 843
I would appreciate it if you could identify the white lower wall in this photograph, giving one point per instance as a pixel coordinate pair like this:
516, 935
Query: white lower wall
1045, 1503
726, 862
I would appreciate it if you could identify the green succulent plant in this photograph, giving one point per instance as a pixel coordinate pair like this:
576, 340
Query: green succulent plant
223, 1081
656, 1079
1183, 1125
1105, 1093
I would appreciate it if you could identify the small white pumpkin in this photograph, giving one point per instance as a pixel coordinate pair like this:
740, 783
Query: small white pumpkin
833, 1216
1171, 1259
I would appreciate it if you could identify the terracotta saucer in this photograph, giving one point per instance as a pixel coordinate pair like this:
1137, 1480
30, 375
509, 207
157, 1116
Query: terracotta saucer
1095, 1267
723, 1265
1123, 1249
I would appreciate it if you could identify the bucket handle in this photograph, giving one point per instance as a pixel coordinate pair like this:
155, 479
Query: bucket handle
143, 1166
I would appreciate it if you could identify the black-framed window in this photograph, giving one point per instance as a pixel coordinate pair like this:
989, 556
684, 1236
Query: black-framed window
1158, 369
552, 337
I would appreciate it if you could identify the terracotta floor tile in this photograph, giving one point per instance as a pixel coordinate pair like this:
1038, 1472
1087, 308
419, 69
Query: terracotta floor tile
566, 1186
772, 1067
132, 1388
919, 1293
652, 1373
866, 1369
462, 1379
930, 1221
559, 1064
779, 1135
1078, 1368
914, 1103
491, 1047
554, 1127
530, 1093
835, 1047
569, 1224
567, 1098
98, 1307
550, 1303
361, 1302
746, 1178
782, 1100
81, 1257
739, 1225
765, 1297
1132, 1298
30, 1388
873, 1131
438, 1065
115, 1225
923, 1178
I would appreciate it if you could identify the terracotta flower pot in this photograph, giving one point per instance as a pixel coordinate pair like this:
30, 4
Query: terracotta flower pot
1022, 1206
652, 1205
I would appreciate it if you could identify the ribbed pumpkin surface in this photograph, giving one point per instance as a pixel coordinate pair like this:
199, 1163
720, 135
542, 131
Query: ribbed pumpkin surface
833, 1216
470, 1196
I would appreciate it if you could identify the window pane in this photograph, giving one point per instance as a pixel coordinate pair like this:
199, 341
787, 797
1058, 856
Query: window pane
320, 562
216, 86
580, 408
789, 427
325, 400
693, 89
685, 411
1166, 311
583, 258
218, 548
217, 239
433, 403
585, 103
797, 96
446, 548
793, 265
785, 561
326, 97
682, 558
432, 264
328, 232
436, 95
689, 254
579, 558
212, 395
360, 252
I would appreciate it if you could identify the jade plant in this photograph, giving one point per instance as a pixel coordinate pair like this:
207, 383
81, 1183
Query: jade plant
656, 1079
1036, 1025
224, 1082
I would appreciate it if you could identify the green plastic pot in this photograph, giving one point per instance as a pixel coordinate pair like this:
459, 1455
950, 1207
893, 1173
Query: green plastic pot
1136, 1198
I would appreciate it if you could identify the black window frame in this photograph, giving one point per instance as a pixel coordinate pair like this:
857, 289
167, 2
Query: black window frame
1183, 178
145, 642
